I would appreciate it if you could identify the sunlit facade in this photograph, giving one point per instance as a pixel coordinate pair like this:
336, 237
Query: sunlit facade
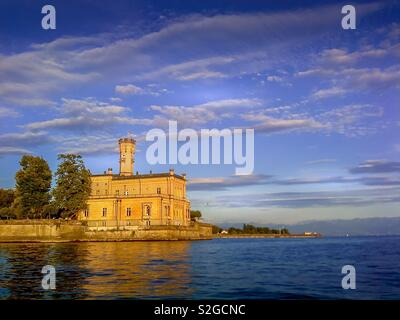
136, 199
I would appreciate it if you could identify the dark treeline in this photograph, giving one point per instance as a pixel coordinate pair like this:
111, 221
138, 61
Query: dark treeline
250, 229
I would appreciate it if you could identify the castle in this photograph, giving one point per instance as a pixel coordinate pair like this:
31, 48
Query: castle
128, 199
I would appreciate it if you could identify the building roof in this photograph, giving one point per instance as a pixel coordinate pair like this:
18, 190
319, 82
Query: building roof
140, 176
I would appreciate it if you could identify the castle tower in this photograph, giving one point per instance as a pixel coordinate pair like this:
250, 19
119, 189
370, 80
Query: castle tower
126, 156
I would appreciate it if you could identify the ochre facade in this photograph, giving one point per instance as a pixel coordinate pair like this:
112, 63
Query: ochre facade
136, 199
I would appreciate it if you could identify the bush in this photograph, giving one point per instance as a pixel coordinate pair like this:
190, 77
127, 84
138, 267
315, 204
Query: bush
7, 213
195, 214
6, 197
216, 229
50, 211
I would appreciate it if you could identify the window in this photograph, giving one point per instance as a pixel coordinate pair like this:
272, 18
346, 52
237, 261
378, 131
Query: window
97, 192
86, 213
128, 212
104, 212
158, 190
147, 211
117, 192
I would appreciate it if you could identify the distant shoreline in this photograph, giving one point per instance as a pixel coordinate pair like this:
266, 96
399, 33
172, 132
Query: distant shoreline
220, 236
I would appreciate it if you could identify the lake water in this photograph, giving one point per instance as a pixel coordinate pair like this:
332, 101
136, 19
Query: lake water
216, 269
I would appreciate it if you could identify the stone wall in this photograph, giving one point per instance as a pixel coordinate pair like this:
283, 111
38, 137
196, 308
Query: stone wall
49, 231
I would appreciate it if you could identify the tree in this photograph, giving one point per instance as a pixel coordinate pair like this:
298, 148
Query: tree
250, 229
195, 214
33, 182
216, 229
284, 231
7, 213
72, 185
6, 198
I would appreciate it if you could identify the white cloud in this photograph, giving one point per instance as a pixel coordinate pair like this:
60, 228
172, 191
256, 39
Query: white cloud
328, 93
7, 113
321, 161
90, 106
267, 124
89, 144
31, 102
274, 79
13, 151
201, 75
87, 114
24, 138
70, 62
342, 56
350, 119
202, 113
129, 89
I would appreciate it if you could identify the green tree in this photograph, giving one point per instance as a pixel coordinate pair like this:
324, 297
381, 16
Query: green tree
7, 213
33, 182
72, 185
6, 198
216, 229
285, 231
195, 214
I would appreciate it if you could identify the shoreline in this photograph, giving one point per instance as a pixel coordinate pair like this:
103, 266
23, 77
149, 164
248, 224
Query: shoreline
269, 236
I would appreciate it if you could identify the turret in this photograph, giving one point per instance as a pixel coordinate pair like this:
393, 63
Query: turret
126, 156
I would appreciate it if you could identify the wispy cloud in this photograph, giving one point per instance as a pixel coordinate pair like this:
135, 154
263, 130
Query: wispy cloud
128, 89
377, 166
210, 111
13, 151
86, 114
223, 183
328, 93
267, 124
8, 113
352, 198
27, 138
321, 161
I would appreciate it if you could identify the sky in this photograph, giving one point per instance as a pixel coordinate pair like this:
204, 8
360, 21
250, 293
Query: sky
323, 101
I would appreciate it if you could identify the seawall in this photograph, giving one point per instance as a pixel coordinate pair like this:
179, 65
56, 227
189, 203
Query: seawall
55, 231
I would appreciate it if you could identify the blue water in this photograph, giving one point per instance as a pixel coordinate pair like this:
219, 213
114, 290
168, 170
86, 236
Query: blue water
216, 269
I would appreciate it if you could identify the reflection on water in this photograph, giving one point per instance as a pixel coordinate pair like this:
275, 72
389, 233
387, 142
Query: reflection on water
216, 269
139, 269
96, 270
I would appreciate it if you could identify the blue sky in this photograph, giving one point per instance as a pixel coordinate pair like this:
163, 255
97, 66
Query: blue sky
324, 102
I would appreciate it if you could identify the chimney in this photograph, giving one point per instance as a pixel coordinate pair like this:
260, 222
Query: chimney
109, 171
